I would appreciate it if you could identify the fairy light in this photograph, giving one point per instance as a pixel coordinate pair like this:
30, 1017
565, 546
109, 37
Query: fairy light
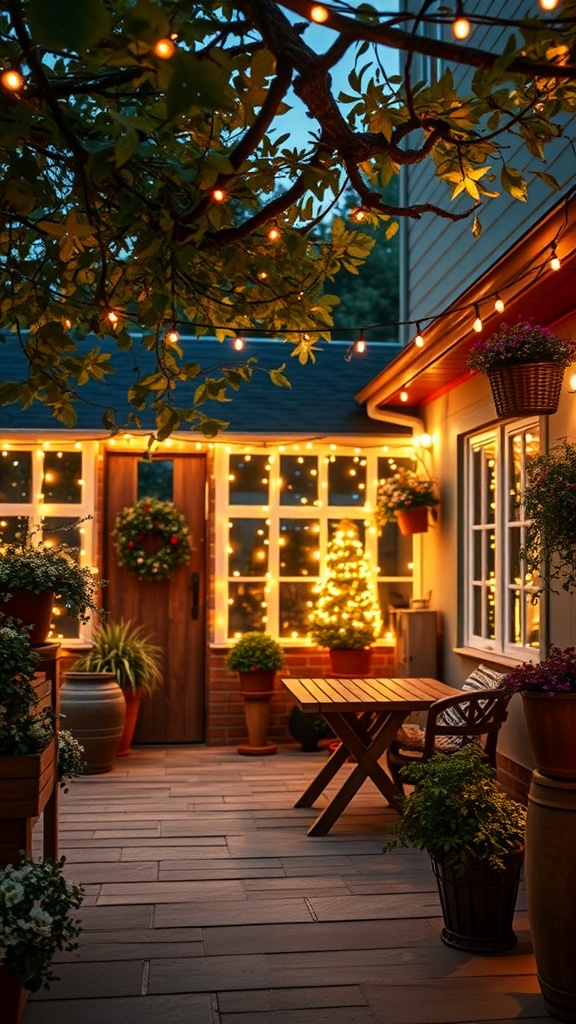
418, 340
112, 317
273, 234
555, 261
360, 344
238, 343
172, 337
262, 275
358, 214
499, 304
477, 325
164, 49
12, 80
218, 195
460, 25
319, 14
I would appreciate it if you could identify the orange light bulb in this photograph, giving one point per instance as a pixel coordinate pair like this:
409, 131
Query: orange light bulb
112, 317
164, 48
12, 80
319, 14
461, 28
218, 195
172, 337
274, 233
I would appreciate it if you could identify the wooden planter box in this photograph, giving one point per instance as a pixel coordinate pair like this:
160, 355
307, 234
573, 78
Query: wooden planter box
26, 782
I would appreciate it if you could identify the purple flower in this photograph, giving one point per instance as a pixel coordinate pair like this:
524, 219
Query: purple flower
523, 342
557, 674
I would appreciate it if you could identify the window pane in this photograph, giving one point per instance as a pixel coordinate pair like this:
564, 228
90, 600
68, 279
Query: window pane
477, 610
248, 547
514, 557
246, 607
490, 554
477, 460
515, 460
393, 596
296, 602
333, 525
489, 484
346, 480
477, 556
515, 630
249, 479
394, 552
15, 477
156, 479
61, 478
56, 532
532, 622
490, 614
9, 527
299, 547
298, 479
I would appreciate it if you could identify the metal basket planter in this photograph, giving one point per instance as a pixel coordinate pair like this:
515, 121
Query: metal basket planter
526, 389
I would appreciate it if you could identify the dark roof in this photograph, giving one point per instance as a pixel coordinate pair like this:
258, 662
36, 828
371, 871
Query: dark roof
320, 401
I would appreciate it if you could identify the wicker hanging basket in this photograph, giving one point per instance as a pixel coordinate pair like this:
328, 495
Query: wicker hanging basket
526, 389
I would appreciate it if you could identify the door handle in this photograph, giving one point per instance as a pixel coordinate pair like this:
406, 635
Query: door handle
195, 588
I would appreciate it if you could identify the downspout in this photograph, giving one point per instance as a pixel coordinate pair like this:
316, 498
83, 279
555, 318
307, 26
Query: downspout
399, 418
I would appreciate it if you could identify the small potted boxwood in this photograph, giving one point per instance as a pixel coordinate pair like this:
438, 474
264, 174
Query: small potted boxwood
474, 835
256, 657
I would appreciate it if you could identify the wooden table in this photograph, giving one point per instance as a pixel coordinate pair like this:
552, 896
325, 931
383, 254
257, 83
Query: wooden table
365, 715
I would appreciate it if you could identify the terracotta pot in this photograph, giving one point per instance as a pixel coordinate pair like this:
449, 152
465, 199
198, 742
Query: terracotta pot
551, 890
94, 711
133, 702
413, 520
13, 996
478, 906
551, 725
257, 682
350, 662
33, 609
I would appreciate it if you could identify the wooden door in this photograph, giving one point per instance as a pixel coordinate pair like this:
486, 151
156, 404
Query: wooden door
172, 611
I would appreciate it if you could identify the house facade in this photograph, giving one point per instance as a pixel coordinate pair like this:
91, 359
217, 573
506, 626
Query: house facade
261, 502
522, 266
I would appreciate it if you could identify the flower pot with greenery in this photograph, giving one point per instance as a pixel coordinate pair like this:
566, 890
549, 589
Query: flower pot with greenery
405, 498
525, 366
549, 508
346, 618
256, 657
123, 648
474, 836
36, 903
32, 575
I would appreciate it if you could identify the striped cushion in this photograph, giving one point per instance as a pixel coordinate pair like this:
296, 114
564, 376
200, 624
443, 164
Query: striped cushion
481, 678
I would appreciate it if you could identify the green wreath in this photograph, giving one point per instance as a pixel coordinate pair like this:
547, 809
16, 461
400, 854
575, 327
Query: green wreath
161, 521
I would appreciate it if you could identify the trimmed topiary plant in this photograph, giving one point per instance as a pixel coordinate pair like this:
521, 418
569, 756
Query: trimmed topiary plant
255, 652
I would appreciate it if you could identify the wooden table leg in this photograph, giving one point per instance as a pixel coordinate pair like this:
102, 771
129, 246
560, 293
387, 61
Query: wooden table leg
326, 774
367, 743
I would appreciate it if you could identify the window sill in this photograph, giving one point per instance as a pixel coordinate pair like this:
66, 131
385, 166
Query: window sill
493, 657
224, 645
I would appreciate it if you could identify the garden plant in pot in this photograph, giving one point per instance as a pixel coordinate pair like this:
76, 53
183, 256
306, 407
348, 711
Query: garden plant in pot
548, 690
346, 618
33, 575
123, 648
405, 499
474, 836
525, 366
256, 657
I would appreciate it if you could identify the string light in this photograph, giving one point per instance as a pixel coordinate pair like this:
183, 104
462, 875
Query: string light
273, 234
499, 304
112, 317
460, 25
555, 262
418, 340
218, 195
172, 337
262, 275
477, 325
238, 343
319, 14
12, 80
164, 49
548, 5
360, 344
403, 396
358, 214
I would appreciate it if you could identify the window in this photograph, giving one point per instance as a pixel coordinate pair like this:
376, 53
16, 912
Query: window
51, 486
276, 512
500, 613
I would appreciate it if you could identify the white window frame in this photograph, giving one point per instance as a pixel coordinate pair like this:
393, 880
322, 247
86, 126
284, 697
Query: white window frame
503, 526
274, 511
37, 509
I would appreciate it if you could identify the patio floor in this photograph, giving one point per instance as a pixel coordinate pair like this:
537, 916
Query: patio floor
207, 903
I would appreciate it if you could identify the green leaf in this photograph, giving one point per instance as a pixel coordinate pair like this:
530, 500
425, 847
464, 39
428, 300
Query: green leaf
125, 146
279, 379
59, 24
514, 183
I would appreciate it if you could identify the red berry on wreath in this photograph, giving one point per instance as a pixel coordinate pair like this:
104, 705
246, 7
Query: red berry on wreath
131, 544
173, 540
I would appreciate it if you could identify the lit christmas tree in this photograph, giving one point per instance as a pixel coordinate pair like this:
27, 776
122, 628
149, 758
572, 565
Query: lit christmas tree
347, 613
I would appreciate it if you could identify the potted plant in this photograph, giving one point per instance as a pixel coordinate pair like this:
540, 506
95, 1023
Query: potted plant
123, 648
474, 836
256, 657
549, 507
525, 365
35, 921
346, 618
548, 691
32, 575
405, 498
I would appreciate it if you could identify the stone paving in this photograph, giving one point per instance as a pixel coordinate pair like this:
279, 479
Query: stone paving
207, 903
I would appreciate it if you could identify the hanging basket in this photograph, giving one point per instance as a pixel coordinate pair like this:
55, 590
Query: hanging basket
526, 389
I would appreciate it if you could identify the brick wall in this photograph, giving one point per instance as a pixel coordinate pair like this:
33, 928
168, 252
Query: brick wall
225, 724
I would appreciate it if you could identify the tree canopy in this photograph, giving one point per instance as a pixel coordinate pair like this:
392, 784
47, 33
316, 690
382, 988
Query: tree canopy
149, 187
